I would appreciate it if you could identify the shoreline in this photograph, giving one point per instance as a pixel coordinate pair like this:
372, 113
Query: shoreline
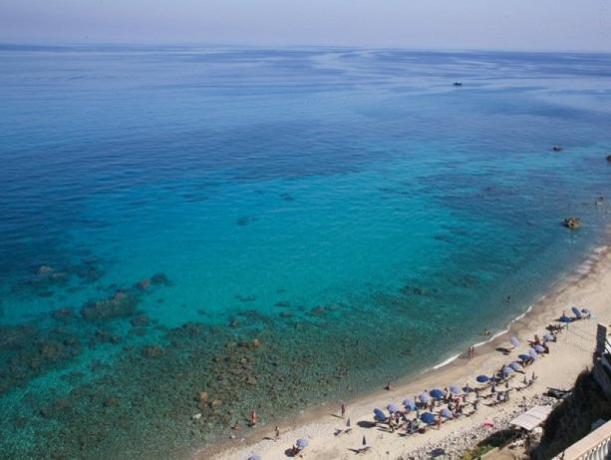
453, 370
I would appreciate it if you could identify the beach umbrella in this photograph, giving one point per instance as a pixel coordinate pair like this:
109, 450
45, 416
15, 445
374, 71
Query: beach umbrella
379, 415
409, 404
428, 418
437, 393
302, 443
525, 357
539, 348
548, 337
424, 397
254, 457
446, 413
507, 371
565, 319
514, 341
392, 408
482, 378
516, 366
576, 311
533, 353
455, 390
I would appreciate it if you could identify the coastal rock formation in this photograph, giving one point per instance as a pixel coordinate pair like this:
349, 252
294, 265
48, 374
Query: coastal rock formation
572, 222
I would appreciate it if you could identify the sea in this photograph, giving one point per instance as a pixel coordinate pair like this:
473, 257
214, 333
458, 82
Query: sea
191, 233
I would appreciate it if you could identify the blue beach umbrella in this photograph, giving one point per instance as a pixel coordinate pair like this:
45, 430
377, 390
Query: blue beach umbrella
379, 415
392, 408
302, 443
525, 357
445, 412
254, 457
514, 341
533, 353
437, 393
428, 418
482, 378
409, 404
507, 371
455, 390
548, 338
539, 348
424, 397
516, 366
576, 312
565, 319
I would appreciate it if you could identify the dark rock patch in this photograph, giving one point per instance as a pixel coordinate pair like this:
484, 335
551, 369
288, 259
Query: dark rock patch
122, 304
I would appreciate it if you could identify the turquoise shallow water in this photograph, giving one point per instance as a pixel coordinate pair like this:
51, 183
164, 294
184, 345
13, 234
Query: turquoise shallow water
351, 210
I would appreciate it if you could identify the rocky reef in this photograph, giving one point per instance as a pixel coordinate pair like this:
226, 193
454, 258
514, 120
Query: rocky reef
121, 304
572, 222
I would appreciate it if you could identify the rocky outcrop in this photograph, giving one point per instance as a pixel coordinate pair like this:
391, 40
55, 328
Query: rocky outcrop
572, 222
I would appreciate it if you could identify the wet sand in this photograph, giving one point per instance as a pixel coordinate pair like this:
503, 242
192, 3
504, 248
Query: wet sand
588, 286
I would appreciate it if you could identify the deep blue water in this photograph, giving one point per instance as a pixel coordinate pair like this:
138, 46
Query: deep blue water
352, 210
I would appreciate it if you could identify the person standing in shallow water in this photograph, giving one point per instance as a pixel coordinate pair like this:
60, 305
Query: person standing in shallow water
253, 418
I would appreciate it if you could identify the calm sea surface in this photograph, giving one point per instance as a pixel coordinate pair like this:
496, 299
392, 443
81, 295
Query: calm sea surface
275, 228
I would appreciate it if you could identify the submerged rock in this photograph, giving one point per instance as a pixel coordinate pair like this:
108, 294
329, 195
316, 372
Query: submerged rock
140, 320
160, 278
144, 284
122, 304
45, 270
572, 222
62, 314
153, 352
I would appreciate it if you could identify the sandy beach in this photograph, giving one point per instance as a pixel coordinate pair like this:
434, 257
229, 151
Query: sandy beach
588, 286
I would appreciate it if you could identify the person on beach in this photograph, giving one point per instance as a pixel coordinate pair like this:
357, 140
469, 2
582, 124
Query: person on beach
253, 418
364, 441
439, 421
388, 386
348, 423
343, 409
277, 433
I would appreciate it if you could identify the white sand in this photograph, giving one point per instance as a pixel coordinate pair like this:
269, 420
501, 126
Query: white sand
590, 287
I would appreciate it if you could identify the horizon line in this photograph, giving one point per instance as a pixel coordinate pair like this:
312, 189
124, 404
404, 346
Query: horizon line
69, 44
